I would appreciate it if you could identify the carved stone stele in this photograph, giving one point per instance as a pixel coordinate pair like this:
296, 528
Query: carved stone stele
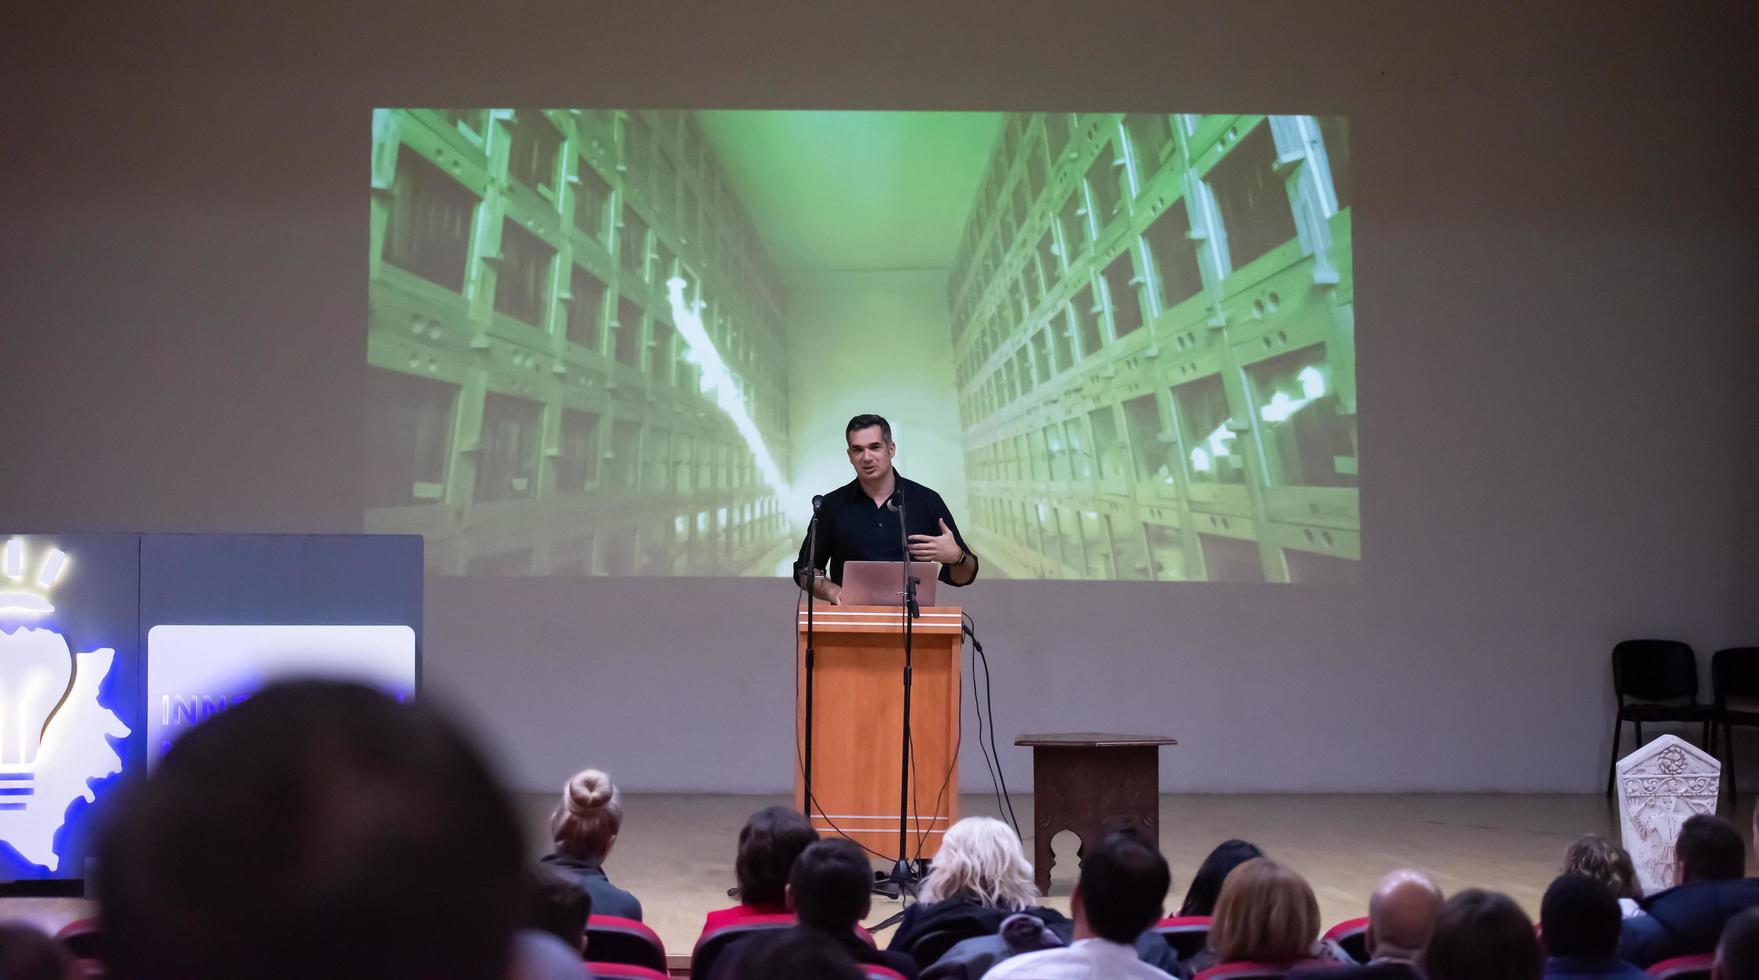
1660, 787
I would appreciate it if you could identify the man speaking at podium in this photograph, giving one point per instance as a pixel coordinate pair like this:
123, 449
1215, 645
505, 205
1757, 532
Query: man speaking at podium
859, 520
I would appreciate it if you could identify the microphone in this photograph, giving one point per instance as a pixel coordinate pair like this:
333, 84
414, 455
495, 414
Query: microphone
818, 500
895, 501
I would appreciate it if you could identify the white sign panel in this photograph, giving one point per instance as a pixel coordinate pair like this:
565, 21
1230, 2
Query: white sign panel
196, 671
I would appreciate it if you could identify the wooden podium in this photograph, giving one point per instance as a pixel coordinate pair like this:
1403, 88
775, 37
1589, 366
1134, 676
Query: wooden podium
857, 720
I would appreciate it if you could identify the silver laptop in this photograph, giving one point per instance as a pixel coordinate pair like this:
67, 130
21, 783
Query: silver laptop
878, 583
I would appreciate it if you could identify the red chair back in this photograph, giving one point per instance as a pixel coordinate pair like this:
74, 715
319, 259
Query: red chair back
82, 938
1243, 970
1349, 938
1186, 934
613, 939
1685, 967
712, 943
624, 971
876, 972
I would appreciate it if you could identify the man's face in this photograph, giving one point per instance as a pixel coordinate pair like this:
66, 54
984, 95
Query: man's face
870, 453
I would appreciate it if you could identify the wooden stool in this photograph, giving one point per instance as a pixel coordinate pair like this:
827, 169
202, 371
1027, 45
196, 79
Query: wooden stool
1091, 783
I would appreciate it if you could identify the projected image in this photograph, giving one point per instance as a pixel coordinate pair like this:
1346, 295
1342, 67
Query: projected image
597, 337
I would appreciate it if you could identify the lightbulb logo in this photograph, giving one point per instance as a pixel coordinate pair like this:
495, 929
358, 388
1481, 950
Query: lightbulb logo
52, 729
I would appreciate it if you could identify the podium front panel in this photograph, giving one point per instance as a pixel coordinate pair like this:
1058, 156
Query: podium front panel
858, 709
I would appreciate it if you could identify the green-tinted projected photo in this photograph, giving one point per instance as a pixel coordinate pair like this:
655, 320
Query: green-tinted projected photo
618, 342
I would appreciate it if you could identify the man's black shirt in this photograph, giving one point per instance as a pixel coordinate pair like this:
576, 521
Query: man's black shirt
851, 527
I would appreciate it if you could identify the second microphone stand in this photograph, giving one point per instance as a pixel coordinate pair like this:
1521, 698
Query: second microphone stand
903, 876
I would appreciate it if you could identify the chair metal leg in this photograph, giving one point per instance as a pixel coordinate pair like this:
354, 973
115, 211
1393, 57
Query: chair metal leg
1618, 725
1728, 764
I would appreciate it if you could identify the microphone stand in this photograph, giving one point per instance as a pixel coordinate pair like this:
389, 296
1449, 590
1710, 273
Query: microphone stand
811, 581
902, 874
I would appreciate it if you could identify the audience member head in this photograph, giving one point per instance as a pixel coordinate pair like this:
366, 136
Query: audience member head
316, 829
768, 845
1580, 916
830, 885
1123, 887
1482, 935
1206, 884
1605, 862
1266, 912
585, 822
800, 954
1737, 954
980, 861
26, 954
557, 905
1709, 848
1401, 915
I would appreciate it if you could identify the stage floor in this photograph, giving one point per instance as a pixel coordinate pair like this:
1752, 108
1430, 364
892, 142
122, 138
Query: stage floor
676, 852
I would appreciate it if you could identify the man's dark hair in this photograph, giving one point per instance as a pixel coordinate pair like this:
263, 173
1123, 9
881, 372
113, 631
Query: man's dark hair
556, 904
1482, 935
1580, 916
1123, 884
799, 954
317, 829
1709, 848
26, 954
1737, 954
768, 845
1206, 884
868, 421
831, 881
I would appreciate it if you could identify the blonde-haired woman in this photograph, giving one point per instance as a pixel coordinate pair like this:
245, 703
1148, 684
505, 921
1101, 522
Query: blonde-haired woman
979, 877
584, 826
1266, 913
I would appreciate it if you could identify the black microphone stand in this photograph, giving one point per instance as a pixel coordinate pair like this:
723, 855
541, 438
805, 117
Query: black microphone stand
902, 877
811, 590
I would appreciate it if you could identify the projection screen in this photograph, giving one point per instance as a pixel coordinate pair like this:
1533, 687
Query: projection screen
591, 351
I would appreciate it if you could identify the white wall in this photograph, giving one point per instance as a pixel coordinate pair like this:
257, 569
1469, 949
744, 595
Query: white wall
1554, 257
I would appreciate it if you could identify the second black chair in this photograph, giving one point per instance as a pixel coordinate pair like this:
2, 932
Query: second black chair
1656, 675
1734, 673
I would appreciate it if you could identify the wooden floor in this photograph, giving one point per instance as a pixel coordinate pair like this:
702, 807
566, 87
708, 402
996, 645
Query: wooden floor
676, 852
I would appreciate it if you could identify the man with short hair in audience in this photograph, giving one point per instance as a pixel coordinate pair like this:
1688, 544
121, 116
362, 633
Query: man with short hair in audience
1122, 890
318, 829
1401, 916
1710, 859
1737, 953
830, 890
1579, 922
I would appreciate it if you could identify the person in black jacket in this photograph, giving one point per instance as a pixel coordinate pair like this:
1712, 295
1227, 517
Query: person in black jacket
829, 889
1737, 954
1579, 918
1709, 861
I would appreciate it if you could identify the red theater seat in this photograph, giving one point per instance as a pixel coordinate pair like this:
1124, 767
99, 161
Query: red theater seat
624, 971
712, 943
1255, 971
1186, 934
1685, 967
82, 938
612, 939
1349, 938
881, 973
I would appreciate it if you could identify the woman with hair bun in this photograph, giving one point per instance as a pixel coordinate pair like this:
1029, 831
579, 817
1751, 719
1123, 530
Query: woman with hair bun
583, 826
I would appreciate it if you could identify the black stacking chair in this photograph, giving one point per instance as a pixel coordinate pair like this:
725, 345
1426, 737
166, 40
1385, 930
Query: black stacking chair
1734, 672
1654, 673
